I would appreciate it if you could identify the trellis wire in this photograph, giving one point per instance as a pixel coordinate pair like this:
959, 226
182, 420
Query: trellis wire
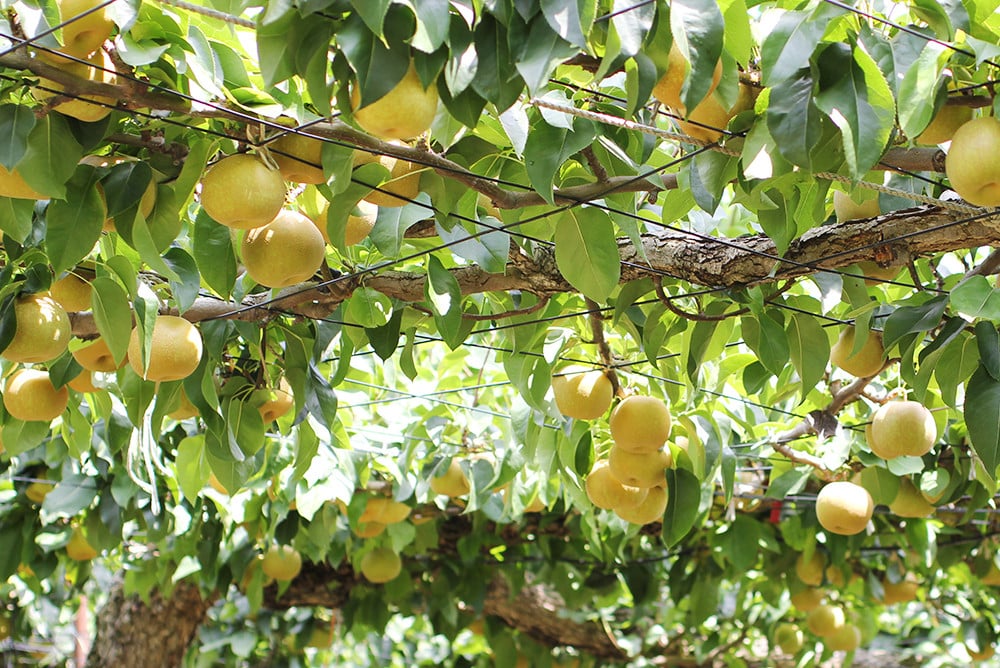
626, 124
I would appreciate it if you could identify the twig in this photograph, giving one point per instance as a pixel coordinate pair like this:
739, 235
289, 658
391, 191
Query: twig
603, 349
595, 165
542, 302
668, 301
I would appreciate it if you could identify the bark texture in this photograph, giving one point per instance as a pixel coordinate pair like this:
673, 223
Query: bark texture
894, 238
132, 633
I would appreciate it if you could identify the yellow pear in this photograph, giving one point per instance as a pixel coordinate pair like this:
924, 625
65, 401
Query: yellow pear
808, 599
972, 166
83, 383
984, 654
668, 89
368, 529
852, 207
43, 330
902, 428
640, 424
582, 393
402, 187
707, 120
644, 469
281, 562
78, 549
845, 639
174, 353
826, 620
30, 395
381, 565
876, 273
789, 638
452, 483
87, 108
944, 124
299, 158
359, 223
84, 33
72, 293
866, 362
384, 510
810, 571
650, 509
14, 186
96, 357
844, 508
184, 410
903, 591
909, 502
406, 111
605, 491
242, 192
37, 491
279, 402
286, 251
992, 576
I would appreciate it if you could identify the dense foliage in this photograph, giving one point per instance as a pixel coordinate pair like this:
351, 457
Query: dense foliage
560, 211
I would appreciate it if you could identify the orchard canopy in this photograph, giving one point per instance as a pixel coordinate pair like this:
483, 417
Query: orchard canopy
499, 332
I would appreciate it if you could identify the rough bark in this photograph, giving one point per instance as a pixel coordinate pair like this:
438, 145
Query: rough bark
131, 632
535, 610
894, 238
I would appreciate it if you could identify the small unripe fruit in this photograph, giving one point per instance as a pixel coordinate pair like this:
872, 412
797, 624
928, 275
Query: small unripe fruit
381, 565
282, 562
826, 620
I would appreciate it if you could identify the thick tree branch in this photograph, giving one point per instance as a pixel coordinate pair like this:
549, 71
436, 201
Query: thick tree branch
131, 632
723, 263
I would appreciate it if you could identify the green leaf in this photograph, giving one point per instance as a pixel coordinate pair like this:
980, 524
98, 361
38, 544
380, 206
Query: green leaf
548, 148
445, 297
112, 315
587, 252
16, 123
74, 225
433, 20
214, 254
71, 495
880, 483
766, 337
321, 400
15, 218
368, 307
919, 86
975, 297
564, 17
52, 156
956, 364
793, 120
539, 52
988, 343
982, 418
788, 45
855, 96
186, 281
682, 507
809, 348
489, 250
378, 66
698, 31
372, 12
275, 47
244, 426
912, 319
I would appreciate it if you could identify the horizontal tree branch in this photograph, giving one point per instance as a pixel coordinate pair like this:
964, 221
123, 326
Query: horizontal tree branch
723, 263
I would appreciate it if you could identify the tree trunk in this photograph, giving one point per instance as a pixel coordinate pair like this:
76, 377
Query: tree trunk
131, 632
